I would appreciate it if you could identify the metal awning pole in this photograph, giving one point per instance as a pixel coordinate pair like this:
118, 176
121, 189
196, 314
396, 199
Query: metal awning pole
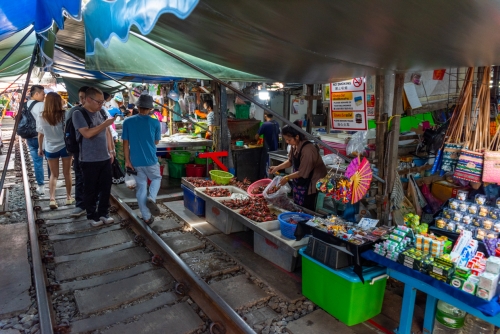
13, 82
18, 117
251, 99
16, 46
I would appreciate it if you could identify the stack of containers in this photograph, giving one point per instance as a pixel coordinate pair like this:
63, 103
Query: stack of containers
177, 166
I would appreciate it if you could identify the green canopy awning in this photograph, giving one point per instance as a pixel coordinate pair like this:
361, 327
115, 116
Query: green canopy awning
18, 63
139, 58
74, 84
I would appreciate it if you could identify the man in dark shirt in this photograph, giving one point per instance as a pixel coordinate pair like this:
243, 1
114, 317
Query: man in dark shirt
271, 130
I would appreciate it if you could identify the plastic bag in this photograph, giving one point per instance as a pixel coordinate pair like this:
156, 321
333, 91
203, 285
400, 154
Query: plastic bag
357, 144
332, 159
130, 181
238, 196
284, 190
280, 198
117, 175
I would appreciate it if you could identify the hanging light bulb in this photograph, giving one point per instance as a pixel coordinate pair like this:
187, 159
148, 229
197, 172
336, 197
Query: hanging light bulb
263, 93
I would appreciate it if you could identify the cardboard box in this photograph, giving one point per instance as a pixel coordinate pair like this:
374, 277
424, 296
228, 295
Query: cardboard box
444, 190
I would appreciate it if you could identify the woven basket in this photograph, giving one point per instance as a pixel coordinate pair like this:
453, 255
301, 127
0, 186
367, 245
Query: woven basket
470, 166
491, 172
477, 139
451, 153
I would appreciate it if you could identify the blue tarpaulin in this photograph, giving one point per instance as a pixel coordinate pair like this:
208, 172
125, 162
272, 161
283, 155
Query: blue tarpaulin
19, 14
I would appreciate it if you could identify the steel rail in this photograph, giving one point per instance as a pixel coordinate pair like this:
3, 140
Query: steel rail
42, 298
208, 300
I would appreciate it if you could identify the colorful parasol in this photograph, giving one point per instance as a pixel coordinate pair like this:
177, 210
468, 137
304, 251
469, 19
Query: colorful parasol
360, 176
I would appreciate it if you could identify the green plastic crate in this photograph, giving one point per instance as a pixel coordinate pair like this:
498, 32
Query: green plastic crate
242, 111
341, 293
176, 171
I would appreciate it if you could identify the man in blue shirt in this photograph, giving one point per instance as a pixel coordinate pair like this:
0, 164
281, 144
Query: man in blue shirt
141, 134
271, 130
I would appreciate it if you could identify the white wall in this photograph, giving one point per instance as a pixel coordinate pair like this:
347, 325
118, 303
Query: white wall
301, 108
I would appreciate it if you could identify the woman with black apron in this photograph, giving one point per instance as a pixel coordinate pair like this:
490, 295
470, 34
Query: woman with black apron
308, 168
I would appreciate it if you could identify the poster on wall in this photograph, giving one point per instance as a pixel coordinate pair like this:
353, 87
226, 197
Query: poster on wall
348, 104
370, 106
326, 92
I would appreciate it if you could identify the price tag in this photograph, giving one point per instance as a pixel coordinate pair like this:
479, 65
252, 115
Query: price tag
367, 223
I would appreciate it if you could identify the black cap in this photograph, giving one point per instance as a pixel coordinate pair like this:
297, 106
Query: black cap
145, 101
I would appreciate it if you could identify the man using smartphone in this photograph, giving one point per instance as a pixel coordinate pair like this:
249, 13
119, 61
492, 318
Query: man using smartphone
140, 135
96, 155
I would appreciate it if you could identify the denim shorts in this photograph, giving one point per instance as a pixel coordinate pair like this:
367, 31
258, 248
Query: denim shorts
56, 155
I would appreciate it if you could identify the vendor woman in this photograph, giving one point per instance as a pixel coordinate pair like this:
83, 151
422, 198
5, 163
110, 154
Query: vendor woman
308, 167
209, 106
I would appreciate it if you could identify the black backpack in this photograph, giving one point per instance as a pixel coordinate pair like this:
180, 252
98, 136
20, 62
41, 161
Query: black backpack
27, 125
72, 144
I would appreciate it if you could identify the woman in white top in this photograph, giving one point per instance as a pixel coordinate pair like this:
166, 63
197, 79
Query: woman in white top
50, 128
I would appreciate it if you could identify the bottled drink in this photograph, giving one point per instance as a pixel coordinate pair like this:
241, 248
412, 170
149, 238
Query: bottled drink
474, 325
449, 319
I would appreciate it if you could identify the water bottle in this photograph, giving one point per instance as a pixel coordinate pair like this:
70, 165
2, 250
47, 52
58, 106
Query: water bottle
449, 319
474, 325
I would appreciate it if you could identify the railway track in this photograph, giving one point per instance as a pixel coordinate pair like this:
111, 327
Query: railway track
128, 277
125, 276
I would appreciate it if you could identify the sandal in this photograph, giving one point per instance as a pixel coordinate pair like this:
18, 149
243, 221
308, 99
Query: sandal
53, 204
70, 201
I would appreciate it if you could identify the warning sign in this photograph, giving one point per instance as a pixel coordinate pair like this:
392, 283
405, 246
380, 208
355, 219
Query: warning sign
348, 104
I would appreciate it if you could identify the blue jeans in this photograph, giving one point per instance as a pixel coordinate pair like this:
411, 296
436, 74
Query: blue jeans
37, 160
141, 192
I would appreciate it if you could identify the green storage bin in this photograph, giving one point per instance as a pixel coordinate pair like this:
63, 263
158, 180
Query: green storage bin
341, 293
200, 161
176, 171
180, 157
242, 111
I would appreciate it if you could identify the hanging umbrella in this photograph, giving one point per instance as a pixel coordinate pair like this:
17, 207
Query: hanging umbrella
360, 174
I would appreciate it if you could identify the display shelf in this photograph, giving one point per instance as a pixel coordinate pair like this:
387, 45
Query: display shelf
435, 291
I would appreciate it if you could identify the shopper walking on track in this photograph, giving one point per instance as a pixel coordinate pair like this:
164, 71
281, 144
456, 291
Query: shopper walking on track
50, 127
37, 95
96, 155
79, 205
141, 134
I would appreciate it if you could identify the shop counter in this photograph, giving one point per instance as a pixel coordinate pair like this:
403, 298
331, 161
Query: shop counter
435, 290
354, 250
272, 246
186, 143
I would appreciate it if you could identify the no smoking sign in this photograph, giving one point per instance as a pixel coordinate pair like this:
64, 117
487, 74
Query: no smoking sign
357, 82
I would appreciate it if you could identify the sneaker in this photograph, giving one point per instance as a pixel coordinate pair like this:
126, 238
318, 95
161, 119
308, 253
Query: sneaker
153, 208
77, 212
41, 190
149, 221
107, 220
96, 223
